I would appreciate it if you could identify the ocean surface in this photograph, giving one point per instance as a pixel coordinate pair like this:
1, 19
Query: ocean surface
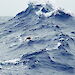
38, 41
4, 18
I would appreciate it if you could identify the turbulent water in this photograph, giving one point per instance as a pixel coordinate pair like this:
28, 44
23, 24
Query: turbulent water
38, 41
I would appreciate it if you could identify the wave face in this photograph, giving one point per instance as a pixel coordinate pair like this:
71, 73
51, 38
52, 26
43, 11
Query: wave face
38, 41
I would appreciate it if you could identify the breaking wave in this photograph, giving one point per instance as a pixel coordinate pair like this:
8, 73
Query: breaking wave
38, 41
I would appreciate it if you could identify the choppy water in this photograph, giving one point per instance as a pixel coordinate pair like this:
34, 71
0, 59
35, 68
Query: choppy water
38, 41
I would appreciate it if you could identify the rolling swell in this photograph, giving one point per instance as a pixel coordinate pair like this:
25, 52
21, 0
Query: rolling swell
42, 59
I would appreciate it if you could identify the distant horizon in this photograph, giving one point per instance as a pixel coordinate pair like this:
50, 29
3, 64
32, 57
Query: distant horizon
11, 8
